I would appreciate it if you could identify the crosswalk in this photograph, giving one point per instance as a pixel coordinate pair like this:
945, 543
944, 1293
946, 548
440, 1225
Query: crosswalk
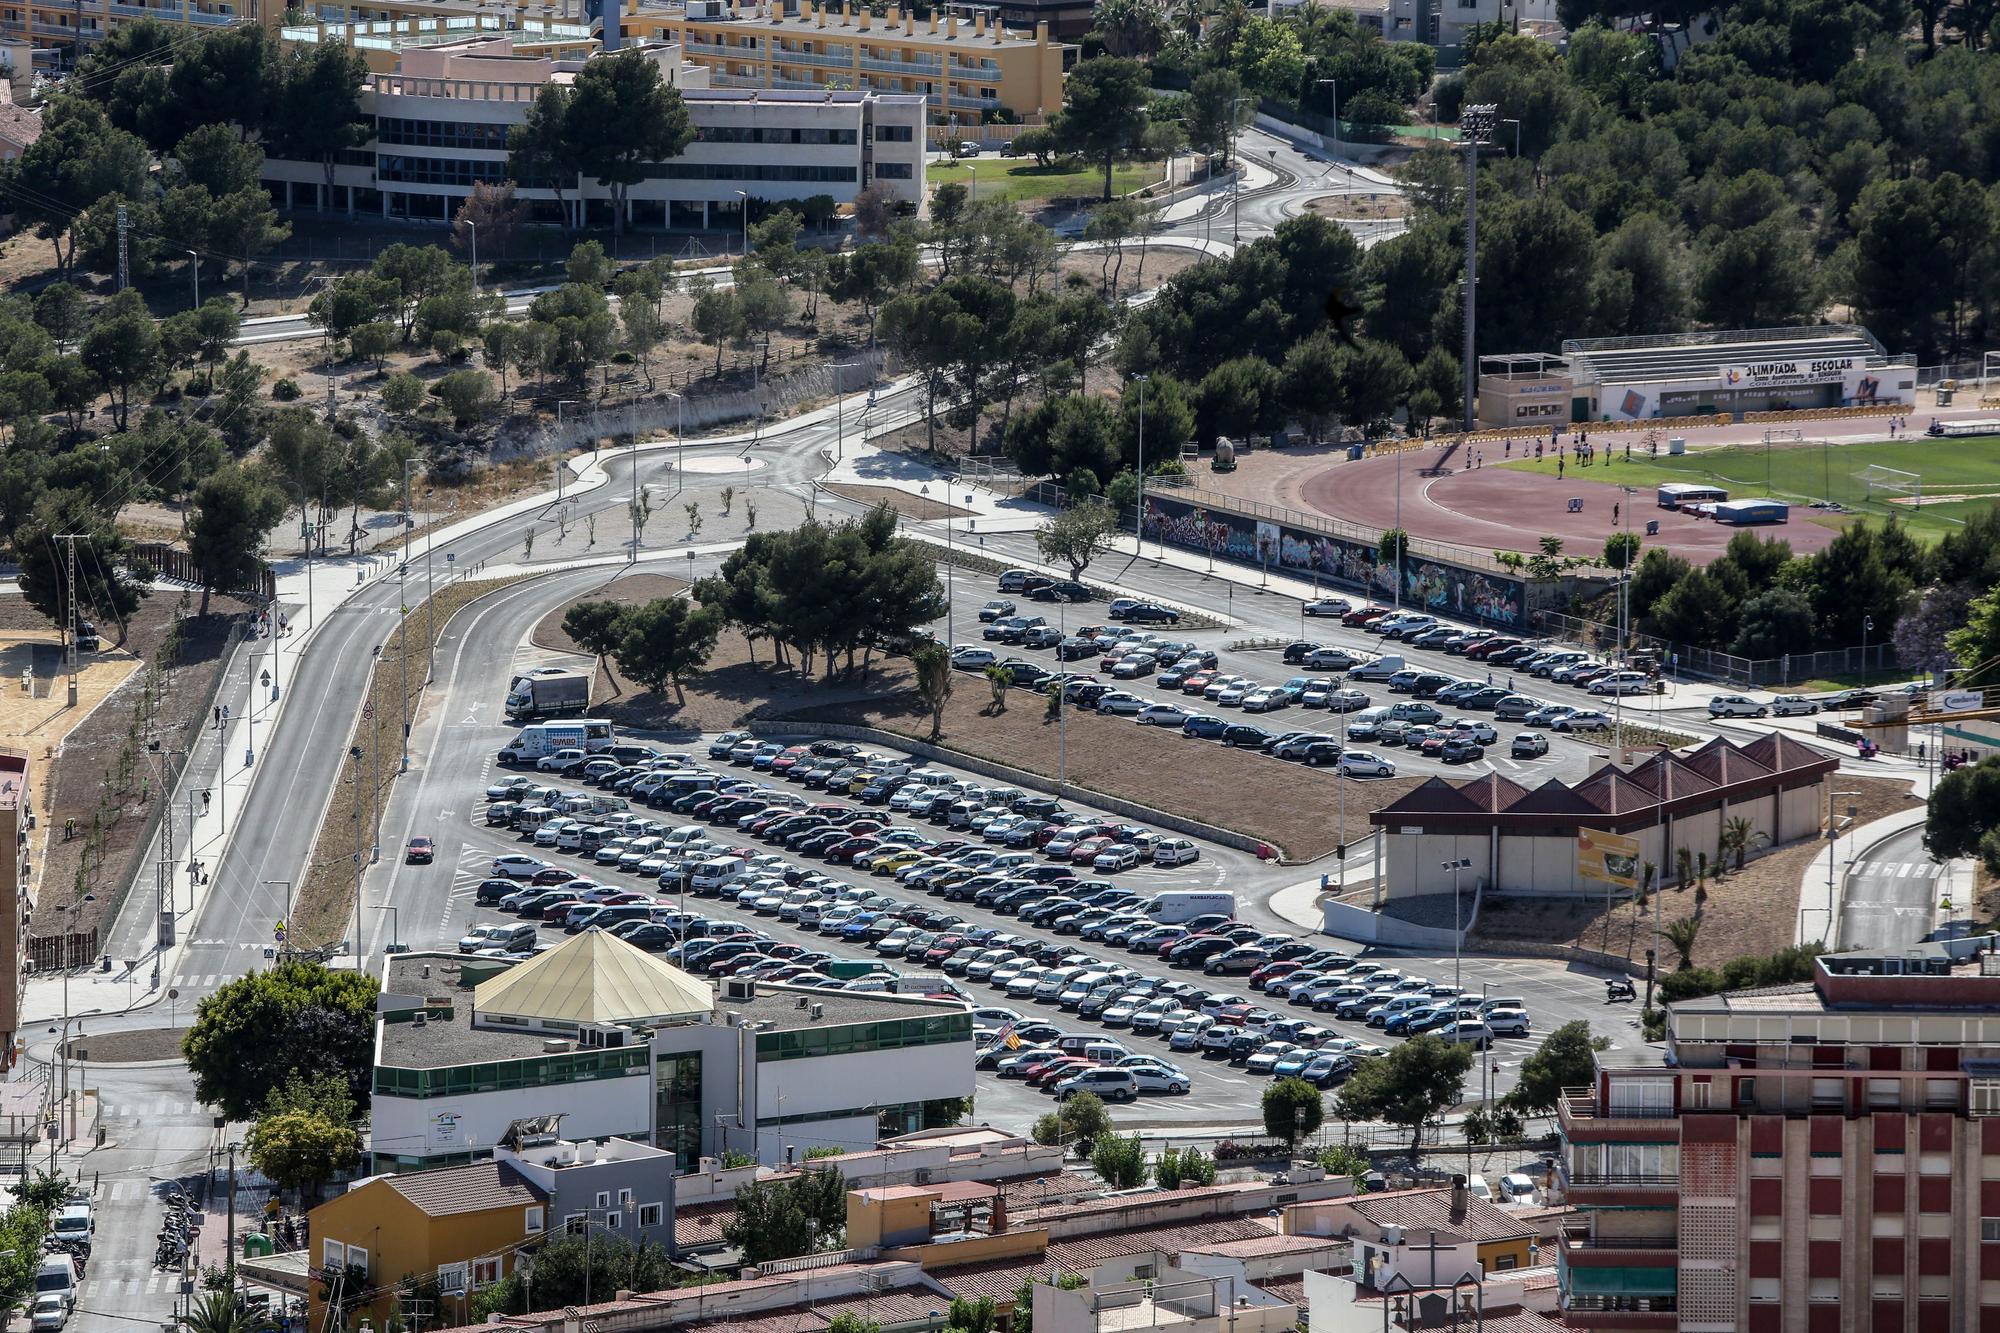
157, 1110
151, 1284
1895, 869
199, 981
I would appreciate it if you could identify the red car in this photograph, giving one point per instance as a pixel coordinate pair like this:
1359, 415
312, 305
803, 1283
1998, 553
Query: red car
553, 875
421, 851
1272, 971
1363, 615
788, 758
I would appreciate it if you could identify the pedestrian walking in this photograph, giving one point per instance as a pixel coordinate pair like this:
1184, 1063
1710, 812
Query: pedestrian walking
204, 800
225, 712
1614, 514
218, 715
1920, 752
1489, 678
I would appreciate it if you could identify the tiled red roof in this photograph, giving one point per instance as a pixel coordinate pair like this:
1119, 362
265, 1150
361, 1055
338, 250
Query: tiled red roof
1555, 798
1430, 1209
1611, 792
1086, 1252
699, 1225
1725, 764
1782, 754
998, 1279
1491, 792
1291, 1290
906, 1306
1497, 1319
1432, 796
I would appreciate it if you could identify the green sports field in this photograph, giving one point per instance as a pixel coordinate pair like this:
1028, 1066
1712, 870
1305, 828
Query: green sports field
1958, 477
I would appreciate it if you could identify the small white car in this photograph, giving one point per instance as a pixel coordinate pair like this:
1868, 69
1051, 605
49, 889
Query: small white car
1120, 704
1327, 606
1621, 682
1793, 705
969, 657
1482, 732
516, 866
1735, 705
1118, 856
1529, 745
1174, 852
1584, 719
1263, 700
50, 1312
1363, 764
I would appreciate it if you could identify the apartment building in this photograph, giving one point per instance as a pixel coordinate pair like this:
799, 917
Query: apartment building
1811, 1158
967, 70
443, 116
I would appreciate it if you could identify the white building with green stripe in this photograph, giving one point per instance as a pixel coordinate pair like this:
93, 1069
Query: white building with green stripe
620, 1043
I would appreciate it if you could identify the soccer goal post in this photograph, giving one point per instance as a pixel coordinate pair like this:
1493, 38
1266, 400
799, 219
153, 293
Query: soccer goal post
1892, 483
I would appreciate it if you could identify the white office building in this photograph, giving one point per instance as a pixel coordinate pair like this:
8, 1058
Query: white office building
443, 117
617, 1042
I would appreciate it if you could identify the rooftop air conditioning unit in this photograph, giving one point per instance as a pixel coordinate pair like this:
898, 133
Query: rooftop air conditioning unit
739, 988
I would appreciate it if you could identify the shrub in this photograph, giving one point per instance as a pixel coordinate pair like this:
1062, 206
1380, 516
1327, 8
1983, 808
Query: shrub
285, 390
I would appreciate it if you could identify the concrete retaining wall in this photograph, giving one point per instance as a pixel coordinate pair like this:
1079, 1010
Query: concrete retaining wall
1365, 925
988, 768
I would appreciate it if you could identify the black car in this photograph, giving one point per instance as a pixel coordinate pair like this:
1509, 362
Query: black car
1062, 590
1086, 696
1296, 651
1461, 750
1485, 698
1203, 727
647, 935
1073, 649
1148, 613
1242, 733
1509, 656
1047, 874
493, 890
1026, 675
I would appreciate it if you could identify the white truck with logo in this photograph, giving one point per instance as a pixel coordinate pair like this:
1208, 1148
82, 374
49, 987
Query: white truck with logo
591, 735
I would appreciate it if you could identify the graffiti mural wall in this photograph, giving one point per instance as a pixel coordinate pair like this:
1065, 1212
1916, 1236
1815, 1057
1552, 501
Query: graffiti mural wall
1439, 585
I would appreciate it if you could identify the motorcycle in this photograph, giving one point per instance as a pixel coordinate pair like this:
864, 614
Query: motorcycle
1616, 989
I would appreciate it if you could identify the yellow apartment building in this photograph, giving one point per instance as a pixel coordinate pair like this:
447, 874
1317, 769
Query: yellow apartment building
966, 68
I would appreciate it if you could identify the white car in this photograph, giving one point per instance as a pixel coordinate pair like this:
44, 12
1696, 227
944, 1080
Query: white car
1120, 704
516, 866
1793, 705
561, 759
1158, 1078
1327, 606
1235, 692
1735, 705
1622, 682
1163, 715
1263, 700
1584, 719
1362, 764
969, 657
1118, 856
1174, 852
1482, 732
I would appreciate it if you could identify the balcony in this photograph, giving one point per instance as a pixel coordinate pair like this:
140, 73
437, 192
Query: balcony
915, 69
826, 59
1580, 1240
1579, 1106
1620, 1180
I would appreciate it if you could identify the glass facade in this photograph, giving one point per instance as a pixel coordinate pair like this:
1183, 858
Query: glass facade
853, 1038
746, 171
441, 133
766, 134
438, 170
677, 1109
502, 1075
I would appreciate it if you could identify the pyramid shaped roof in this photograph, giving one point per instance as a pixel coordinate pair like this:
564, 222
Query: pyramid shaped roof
593, 977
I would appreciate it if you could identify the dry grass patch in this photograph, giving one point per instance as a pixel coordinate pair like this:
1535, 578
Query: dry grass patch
909, 505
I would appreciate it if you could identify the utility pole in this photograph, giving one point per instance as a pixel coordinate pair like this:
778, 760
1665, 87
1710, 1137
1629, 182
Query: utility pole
231, 1251
124, 253
69, 540
632, 462
1474, 124
1139, 518
403, 616
354, 754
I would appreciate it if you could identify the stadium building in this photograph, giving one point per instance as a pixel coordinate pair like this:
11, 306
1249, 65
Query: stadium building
1696, 374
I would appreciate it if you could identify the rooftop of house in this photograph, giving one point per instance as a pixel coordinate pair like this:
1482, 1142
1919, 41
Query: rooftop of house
792, 1009
1423, 1211
474, 1188
1945, 975
846, 21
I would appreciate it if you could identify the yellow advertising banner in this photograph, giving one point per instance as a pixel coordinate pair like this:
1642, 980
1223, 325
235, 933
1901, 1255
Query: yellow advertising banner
1607, 858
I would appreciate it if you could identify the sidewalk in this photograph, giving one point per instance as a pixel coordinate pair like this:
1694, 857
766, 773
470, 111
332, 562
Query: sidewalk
1955, 882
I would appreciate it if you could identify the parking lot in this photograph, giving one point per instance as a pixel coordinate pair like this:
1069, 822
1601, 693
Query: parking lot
1221, 1091
1273, 693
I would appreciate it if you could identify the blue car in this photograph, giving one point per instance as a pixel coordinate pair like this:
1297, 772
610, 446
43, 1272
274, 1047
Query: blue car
858, 927
1410, 1021
1203, 727
1294, 1063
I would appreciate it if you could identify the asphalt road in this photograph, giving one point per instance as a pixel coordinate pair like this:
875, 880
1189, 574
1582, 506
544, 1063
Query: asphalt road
1889, 894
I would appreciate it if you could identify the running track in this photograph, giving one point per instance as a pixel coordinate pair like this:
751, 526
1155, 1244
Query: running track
1499, 509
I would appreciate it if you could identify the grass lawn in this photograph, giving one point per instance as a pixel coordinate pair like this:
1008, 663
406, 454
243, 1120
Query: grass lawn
1959, 477
1022, 179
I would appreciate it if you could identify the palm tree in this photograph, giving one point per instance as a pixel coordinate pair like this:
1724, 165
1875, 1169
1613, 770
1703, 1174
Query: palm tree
217, 1312
1681, 934
1738, 837
1683, 866
1648, 872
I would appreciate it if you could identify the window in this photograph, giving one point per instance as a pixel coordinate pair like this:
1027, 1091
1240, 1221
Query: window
604, 1198
531, 1220
625, 1197
332, 1254
614, 1220
1823, 1289
651, 1214
451, 1279
1985, 1096
485, 1272
1886, 1286
357, 1260
1697, 1095
1989, 1229
1934, 1287
894, 133
893, 171
576, 1224
1506, 1261
1765, 1288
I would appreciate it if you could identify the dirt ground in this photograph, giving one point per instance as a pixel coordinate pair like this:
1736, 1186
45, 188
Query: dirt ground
741, 681
908, 505
127, 1047
1359, 206
1749, 914
1225, 787
109, 744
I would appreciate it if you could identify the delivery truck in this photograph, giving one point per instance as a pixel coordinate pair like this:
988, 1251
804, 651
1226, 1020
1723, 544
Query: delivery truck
554, 695
545, 738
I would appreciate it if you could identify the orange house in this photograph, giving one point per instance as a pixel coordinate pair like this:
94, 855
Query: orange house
462, 1225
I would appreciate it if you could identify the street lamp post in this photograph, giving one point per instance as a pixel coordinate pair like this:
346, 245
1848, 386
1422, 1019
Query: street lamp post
744, 195
1139, 518
1236, 192
1867, 624
1474, 124
395, 934
1457, 916
1509, 120
194, 272
1332, 104
472, 228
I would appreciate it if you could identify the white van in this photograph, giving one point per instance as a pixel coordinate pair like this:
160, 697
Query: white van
57, 1276
712, 874
1186, 904
682, 836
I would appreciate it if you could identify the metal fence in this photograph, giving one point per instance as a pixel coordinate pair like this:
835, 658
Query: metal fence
1928, 377
1471, 557
1679, 659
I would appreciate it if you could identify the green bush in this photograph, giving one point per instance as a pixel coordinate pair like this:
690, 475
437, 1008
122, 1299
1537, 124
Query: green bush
285, 390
